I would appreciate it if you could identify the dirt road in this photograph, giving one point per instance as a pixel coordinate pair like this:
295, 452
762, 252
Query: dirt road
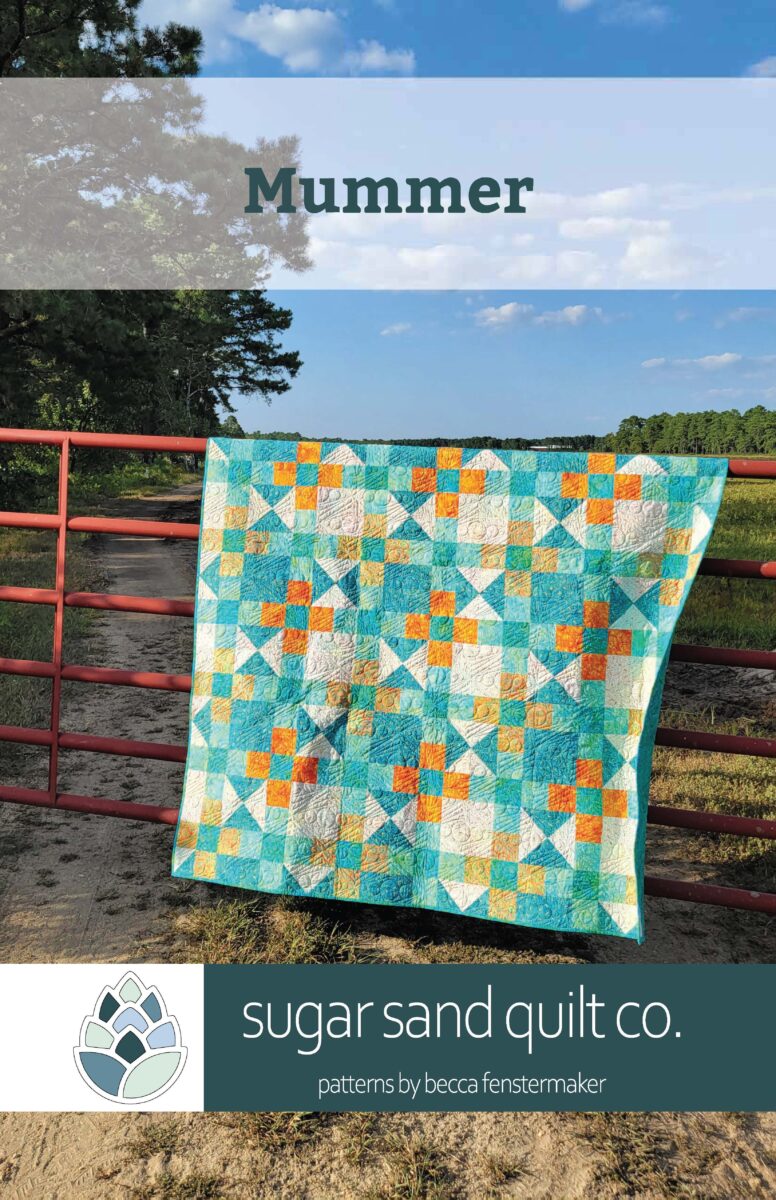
95, 889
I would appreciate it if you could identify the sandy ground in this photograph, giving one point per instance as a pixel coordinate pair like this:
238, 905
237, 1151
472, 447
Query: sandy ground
80, 889
485, 1156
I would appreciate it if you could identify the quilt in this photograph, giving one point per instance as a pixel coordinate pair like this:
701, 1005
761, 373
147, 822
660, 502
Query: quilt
430, 676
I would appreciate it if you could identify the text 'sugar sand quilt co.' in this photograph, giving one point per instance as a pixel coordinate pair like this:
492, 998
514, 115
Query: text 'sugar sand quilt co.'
430, 676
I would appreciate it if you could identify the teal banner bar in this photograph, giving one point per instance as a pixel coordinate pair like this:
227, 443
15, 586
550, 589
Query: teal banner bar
490, 1038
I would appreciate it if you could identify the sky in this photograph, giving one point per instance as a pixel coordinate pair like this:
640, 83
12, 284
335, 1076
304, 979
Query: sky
529, 364
508, 363
490, 37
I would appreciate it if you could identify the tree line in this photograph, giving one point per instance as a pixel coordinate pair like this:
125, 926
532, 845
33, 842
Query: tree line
707, 432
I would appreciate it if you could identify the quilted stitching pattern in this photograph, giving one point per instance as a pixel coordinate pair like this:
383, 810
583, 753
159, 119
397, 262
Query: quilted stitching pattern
430, 677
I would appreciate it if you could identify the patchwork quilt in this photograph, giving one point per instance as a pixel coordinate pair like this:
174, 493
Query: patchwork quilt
430, 676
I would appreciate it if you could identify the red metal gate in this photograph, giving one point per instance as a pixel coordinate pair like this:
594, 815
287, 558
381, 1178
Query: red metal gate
58, 598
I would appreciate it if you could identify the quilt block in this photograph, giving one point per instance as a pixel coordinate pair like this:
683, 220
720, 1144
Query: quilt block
430, 676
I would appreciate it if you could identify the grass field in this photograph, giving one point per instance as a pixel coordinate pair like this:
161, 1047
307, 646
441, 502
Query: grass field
737, 612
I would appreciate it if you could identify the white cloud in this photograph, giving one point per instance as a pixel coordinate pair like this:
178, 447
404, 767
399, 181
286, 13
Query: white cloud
636, 13
582, 229
372, 56
572, 314
654, 258
712, 362
737, 315
596, 204
395, 330
764, 69
304, 37
513, 313
499, 316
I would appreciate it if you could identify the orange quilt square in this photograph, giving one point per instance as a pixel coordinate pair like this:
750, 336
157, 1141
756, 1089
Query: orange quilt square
562, 797
573, 486
472, 482
308, 452
279, 792
284, 474
429, 808
449, 458
257, 764
417, 625
305, 770
299, 591
424, 479
596, 614
447, 504
627, 487
600, 512
620, 641
283, 740
569, 638
443, 604
432, 756
594, 666
589, 772
321, 619
589, 828
440, 654
455, 786
273, 615
294, 641
406, 779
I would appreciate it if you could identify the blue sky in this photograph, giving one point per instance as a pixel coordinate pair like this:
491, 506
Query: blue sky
530, 363
378, 364
491, 37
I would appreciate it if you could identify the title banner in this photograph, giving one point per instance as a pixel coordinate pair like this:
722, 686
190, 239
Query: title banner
387, 183
479, 1038
187, 1038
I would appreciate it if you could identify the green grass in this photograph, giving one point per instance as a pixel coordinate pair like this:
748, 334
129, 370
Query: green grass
156, 1137
95, 476
737, 612
27, 559
722, 783
26, 630
169, 1186
275, 1132
414, 1170
265, 929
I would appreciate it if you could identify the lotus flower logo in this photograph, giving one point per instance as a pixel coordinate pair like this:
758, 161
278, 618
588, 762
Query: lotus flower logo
129, 1049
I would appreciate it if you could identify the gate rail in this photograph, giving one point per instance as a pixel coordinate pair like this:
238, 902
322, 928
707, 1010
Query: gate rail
55, 739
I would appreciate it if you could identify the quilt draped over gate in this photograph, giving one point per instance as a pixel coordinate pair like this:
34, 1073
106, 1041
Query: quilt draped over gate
430, 676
